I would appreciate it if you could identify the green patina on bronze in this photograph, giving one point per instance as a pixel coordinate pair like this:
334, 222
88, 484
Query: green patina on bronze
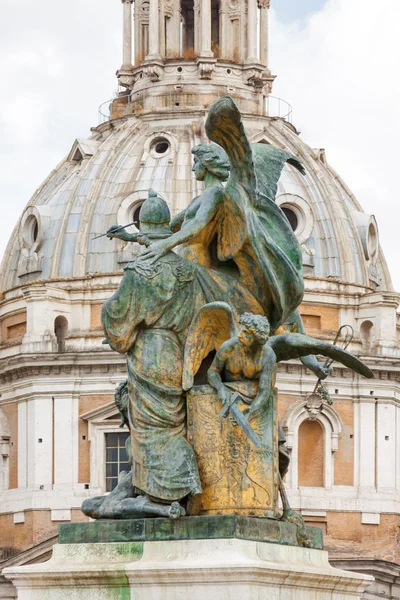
239, 262
187, 528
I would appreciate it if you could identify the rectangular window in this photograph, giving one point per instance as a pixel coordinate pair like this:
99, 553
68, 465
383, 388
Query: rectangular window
116, 458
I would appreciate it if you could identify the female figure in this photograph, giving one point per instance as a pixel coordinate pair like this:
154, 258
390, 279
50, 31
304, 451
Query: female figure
239, 229
147, 319
198, 225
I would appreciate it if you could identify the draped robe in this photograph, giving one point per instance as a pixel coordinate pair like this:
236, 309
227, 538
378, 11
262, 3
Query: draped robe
148, 319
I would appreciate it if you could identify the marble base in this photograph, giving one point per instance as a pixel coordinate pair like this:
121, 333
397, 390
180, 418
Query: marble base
226, 569
188, 528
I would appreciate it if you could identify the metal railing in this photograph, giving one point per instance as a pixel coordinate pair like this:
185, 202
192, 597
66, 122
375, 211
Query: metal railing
277, 107
273, 106
104, 110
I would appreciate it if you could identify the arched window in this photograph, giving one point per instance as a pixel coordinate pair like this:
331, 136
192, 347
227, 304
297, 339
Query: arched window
311, 454
312, 435
61, 331
366, 335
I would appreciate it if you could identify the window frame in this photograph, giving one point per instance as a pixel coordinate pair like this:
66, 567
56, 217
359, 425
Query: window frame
332, 426
118, 461
97, 430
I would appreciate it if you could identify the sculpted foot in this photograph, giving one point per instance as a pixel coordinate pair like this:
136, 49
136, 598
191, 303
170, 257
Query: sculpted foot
176, 510
291, 516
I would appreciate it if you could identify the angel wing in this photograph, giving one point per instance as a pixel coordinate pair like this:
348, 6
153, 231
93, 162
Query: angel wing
274, 273
210, 328
296, 345
257, 167
224, 127
268, 166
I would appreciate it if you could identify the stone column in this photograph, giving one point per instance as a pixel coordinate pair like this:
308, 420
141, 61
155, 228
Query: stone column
367, 441
127, 35
252, 31
223, 30
206, 29
174, 42
154, 31
138, 47
264, 31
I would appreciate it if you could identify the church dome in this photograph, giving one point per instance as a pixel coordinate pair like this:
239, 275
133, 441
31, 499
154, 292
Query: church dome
105, 179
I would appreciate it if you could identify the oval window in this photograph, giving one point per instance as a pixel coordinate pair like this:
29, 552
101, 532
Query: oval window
291, 217
136, 214
160, 147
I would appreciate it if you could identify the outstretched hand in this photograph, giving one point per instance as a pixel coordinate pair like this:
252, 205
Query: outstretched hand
115, 231
323, 372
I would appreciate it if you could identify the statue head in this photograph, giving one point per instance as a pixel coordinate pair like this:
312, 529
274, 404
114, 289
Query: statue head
254, 328
154, 214
212, 158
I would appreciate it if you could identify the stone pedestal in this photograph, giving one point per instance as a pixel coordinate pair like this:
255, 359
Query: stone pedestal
236, 477
173, 568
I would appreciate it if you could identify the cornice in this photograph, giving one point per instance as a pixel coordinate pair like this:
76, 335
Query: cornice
74, 364
69, 284
81, 364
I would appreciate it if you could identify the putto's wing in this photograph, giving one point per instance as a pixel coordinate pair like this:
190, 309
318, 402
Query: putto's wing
210, 328
224, 127
296, 345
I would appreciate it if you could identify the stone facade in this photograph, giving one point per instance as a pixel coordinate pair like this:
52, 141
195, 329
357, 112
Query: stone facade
57, 379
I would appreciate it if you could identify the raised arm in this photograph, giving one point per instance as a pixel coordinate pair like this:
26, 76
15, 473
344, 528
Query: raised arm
296, 325
116, 232
176, 222
210, 201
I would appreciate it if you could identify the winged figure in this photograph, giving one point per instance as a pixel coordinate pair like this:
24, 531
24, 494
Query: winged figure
255, 231
239, 229
249, 353
252, 354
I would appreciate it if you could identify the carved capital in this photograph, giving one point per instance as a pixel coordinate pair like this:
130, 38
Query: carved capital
264, 3
268, 81
127, 1
254, 77
206, 68
126, 78
153, 72
258, 77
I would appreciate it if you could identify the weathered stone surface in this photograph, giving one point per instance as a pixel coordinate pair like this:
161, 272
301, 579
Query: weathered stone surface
224, 569
190, 528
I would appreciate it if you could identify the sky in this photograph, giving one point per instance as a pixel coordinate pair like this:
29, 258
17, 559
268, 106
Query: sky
288, 11
336, 61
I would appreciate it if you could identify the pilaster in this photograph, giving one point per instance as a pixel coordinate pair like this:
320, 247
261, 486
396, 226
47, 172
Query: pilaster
205, 15
154, 31
251, 56
367, 451
264, 5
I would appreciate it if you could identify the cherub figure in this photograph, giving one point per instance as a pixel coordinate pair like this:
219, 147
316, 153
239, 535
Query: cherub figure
252, 355
243, 372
